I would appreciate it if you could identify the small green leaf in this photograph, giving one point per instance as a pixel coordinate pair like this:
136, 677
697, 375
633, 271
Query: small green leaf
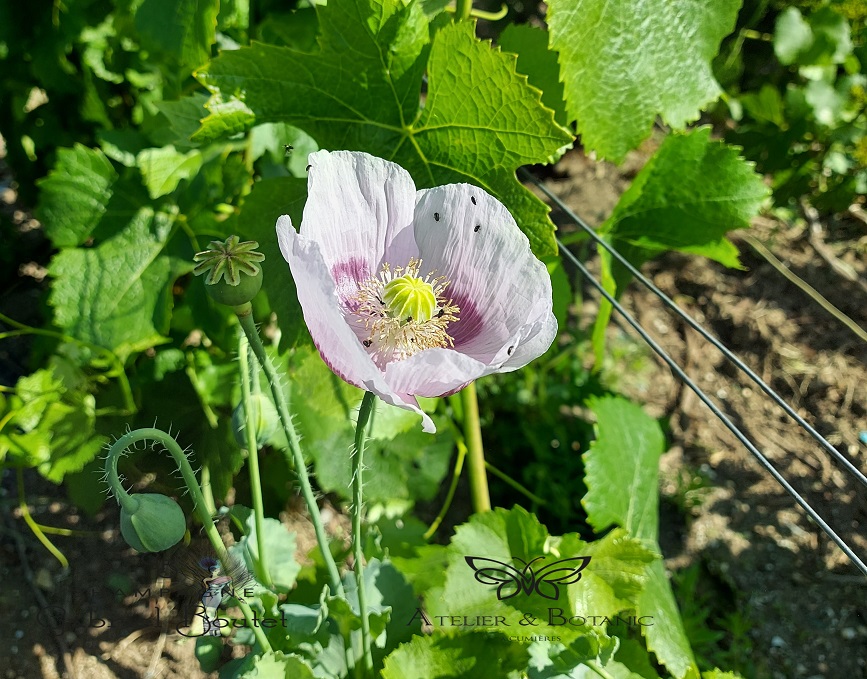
623, 469
182, 29
280, 546
75, 195
224, 119
164, 168
687, 197
823, 39
624, 62
184, 116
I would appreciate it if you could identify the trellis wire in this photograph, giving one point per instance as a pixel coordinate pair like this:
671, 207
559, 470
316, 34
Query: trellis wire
681, 374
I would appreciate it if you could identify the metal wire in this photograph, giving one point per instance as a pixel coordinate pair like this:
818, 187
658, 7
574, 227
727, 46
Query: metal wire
681, 374
695, 325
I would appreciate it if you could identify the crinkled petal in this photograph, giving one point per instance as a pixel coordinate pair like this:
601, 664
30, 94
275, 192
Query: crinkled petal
337, 343
433, 372
358, 207
503, 291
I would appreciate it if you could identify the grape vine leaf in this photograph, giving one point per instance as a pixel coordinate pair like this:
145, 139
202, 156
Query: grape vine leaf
481, 120
75, 195
686, 198
622, 481
623, 62
118, 295
538, 63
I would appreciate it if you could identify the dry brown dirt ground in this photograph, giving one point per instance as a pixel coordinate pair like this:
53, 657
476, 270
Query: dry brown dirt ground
805, 605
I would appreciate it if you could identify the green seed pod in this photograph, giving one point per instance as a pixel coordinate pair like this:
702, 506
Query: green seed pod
156, 523
264, 420
234, 275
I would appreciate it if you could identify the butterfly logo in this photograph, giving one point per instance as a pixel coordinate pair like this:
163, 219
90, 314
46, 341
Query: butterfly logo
509, 581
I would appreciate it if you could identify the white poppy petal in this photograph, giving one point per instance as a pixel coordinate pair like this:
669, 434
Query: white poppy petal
503, 291
358, 207
433, 372
336, 341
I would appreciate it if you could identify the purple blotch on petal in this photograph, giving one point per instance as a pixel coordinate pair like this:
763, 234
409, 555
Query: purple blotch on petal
470, 323
348, 277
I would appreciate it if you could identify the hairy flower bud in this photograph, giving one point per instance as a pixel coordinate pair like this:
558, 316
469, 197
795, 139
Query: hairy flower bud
155, 524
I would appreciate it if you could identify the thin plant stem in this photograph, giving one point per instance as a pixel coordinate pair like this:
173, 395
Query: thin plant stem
35, 527
244, 313
514, 484
129, 502
207, 489
253, 460
367, 404
456, 475
473, 437
463, 9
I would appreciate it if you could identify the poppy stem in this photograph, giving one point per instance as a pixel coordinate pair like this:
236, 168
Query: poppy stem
476, 451
244, 312
364, 412
253, 461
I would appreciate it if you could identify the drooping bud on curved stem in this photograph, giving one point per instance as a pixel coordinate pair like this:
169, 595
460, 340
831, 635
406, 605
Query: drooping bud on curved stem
154, 522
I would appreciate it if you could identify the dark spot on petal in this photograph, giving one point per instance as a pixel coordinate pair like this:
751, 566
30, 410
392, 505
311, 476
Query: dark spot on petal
308, 167
437, 216
473, 198
477, 227
367, 343
510, 350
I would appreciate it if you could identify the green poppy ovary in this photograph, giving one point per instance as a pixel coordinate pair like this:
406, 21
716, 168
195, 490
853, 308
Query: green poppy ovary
410, 298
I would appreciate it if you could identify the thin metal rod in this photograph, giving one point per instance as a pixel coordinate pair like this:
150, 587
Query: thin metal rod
695, 325
719, 414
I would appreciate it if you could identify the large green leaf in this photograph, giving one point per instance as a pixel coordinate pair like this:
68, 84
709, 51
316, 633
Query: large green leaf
687, 197
624, 62
75, 195
118, 294
469, 656
622, 480
361, 92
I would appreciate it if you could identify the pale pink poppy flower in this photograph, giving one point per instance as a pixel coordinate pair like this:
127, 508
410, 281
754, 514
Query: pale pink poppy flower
413, 293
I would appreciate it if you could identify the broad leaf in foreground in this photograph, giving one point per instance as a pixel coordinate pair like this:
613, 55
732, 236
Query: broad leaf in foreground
118, 295
624, 62
622, 480
361, 92
75, 195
